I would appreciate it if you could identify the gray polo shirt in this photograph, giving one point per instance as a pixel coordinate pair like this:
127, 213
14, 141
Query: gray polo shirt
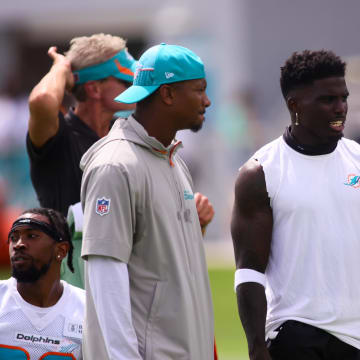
139, 208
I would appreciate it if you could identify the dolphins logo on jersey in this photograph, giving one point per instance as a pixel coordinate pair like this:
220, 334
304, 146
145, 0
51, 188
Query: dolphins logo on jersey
353, 181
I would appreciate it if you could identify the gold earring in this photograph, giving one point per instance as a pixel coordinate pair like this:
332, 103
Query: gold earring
296, 119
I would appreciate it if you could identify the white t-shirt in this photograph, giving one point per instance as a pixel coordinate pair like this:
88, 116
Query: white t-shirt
29, 332
314, 264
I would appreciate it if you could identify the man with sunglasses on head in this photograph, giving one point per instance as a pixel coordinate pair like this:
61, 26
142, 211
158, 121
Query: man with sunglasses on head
41, 317
95, 69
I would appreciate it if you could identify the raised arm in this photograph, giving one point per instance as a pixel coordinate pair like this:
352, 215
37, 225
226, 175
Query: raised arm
251, 229
46, 98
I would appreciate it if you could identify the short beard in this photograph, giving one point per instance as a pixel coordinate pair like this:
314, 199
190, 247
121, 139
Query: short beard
196, 128
338, 137
30, 275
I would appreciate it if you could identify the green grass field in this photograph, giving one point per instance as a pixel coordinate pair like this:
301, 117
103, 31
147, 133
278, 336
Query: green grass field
229, 335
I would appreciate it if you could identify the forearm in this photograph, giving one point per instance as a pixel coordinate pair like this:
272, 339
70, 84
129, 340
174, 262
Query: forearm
108, 282
45, 102
252, 310
48, 94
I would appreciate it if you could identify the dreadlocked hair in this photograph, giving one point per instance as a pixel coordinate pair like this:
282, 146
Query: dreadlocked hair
306, 67
58, 222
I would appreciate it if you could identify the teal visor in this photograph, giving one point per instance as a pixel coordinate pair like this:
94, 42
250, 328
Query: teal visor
121, 66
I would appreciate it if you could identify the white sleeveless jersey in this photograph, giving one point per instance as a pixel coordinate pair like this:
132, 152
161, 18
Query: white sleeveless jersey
29, 332
313, 274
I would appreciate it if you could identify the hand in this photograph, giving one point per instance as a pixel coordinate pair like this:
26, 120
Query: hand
59, 59
204, 209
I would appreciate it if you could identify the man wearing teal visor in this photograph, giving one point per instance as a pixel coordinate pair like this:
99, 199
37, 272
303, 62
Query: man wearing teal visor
94, 70
121, 66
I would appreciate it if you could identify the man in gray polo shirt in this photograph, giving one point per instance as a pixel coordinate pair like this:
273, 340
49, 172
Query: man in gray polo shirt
148, 294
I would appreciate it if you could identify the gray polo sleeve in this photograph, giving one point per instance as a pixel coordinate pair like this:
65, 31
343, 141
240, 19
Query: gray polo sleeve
109, 212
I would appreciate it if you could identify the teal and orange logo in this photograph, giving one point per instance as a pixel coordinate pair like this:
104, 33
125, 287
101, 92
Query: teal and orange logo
353, 181
188, 195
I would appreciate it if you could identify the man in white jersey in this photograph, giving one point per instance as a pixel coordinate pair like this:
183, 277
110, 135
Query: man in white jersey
295, 224
41, 317
142, 237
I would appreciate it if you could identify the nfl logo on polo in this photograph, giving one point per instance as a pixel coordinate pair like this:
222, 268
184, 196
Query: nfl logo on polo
102, 206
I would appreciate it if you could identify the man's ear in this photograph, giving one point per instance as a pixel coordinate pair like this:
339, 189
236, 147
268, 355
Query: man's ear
62, 249
292, 104
167, 94
93, 89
